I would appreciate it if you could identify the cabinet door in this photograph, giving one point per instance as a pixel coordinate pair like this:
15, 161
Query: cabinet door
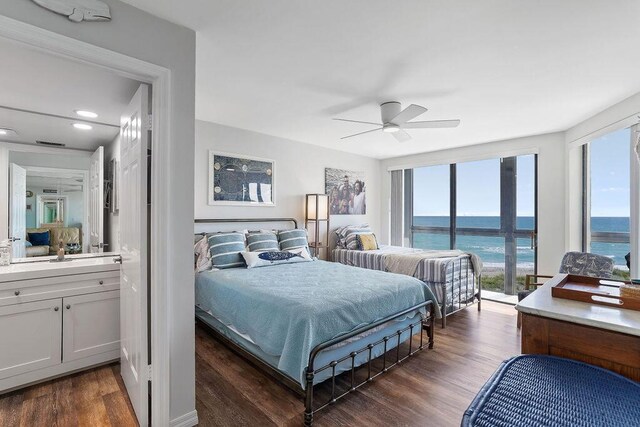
91, 325
30, 336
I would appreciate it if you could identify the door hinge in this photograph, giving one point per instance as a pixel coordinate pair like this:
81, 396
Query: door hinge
149, 371
149, 124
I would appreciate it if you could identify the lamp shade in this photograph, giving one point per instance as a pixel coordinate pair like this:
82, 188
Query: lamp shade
317, 206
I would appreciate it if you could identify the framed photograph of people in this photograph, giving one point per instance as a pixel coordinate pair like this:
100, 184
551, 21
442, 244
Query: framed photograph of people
239, 180
347, 192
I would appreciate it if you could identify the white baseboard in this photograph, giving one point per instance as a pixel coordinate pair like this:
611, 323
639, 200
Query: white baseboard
187, 420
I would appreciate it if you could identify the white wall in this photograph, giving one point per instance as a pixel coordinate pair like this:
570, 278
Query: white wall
299, 170
143, 36
551, 188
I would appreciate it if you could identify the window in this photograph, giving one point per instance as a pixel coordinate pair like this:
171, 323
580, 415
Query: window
486, 207
607, 197
431, 207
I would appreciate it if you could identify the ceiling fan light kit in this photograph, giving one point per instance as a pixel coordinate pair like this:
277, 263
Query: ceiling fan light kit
390, 128
395, 120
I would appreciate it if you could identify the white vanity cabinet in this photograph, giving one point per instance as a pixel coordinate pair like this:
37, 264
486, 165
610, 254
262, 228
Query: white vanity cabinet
56, 319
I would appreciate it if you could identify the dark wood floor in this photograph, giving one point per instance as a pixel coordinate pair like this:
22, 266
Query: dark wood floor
91, 398
434, 388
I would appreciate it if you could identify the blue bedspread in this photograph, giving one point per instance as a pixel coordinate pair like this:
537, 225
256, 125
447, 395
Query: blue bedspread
289, 309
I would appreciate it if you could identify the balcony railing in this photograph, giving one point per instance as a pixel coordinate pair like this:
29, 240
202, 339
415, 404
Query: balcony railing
470, 231
609, 237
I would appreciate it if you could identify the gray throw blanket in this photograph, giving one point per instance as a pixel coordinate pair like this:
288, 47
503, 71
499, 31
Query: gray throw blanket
407, 263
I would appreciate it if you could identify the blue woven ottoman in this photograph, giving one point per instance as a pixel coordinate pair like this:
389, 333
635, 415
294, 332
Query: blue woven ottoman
537, 390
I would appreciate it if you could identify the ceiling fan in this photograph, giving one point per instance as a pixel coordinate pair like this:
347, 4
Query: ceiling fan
395, 120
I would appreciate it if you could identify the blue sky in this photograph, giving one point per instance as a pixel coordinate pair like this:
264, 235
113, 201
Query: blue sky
479, 183
478, 188
610, 176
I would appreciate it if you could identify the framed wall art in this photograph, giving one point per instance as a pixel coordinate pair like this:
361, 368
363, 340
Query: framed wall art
239, 180
347, 192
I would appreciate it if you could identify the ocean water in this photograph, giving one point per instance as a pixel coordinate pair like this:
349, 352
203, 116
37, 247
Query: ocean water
491, 249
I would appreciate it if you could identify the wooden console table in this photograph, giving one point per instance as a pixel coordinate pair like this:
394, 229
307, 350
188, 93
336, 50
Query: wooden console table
602, 336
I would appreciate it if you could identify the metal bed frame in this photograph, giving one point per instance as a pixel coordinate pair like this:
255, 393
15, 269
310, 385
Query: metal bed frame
477, 297
425, 322
461, 305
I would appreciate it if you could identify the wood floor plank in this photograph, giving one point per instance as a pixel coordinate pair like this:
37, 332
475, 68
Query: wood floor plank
37, 412
224, 400
267, 395
118, 409
107, 382
64, 403
11, 409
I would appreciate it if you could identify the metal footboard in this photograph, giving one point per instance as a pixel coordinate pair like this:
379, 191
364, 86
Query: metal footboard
425, 322
456, 283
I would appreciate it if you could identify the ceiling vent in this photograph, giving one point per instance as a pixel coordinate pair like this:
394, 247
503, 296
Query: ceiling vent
50, 144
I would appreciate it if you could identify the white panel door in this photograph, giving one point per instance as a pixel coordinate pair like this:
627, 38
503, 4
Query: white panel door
18, 214
91, 325
30, 336
96, 201
134, 138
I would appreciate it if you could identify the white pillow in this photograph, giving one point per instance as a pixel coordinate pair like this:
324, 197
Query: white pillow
203, 258
264, 259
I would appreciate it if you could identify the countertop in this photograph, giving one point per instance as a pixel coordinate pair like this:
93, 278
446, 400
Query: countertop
76, 265
541, 303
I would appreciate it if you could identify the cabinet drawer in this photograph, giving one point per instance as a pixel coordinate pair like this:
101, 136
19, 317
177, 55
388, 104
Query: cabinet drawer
30, 337
22, 291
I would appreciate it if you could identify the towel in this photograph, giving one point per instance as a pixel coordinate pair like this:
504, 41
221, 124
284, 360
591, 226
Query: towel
407, 263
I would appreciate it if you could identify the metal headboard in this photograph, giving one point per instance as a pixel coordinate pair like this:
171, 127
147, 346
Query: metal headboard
245, 220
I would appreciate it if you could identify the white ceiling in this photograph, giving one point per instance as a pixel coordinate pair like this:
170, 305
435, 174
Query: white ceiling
36, 81
506, 68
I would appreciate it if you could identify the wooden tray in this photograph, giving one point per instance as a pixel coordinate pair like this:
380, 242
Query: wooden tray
592, 290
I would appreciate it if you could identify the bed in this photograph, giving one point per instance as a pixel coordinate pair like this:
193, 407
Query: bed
453, 280
306, 323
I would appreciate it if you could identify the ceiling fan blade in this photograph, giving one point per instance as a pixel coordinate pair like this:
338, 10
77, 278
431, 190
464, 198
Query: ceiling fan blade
411, 112
361, 133
431, 124
401, 136
358, 121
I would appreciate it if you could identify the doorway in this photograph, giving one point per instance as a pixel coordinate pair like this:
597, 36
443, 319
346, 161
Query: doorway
154, 337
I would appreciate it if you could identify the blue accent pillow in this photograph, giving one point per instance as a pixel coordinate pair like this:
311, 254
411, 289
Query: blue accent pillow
39, 239
262, 242
225, 250
293, 239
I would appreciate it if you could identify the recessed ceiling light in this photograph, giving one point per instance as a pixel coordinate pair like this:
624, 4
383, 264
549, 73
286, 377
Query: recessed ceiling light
3, 132
85, 113
82, 126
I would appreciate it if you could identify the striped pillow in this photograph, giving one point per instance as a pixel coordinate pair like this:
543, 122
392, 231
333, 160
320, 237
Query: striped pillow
293, 239
343, 232
351, 239
225, 250
262, 242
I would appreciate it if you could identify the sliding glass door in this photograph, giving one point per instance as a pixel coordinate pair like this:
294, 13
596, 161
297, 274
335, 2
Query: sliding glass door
486, 207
